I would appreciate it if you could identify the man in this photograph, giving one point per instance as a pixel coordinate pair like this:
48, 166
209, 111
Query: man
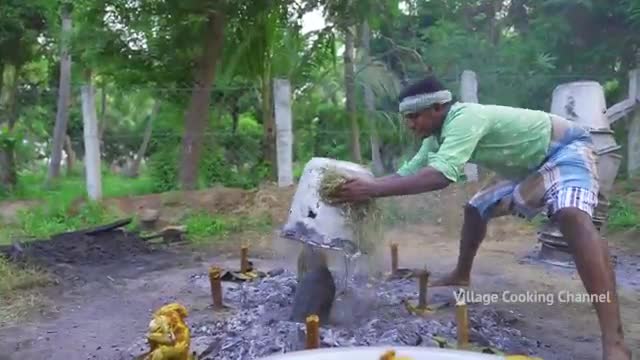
546, 162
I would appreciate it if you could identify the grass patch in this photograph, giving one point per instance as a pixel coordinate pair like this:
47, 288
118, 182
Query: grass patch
623, 215
53, 215
18, 277
203, 227
53, 218
18, 295
67, 188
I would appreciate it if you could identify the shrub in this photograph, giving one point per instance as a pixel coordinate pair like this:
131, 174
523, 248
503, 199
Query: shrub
163, 169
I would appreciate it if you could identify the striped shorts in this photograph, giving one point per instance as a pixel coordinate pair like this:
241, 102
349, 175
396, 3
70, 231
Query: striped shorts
568, 178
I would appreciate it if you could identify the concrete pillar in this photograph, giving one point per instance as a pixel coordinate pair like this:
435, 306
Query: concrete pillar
469, 93
91, 143
284, 131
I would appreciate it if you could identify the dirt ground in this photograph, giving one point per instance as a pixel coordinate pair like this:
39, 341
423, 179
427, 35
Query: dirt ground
103, 302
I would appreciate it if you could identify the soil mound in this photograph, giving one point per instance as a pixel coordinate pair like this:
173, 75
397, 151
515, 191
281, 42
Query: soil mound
79, 248
82, 249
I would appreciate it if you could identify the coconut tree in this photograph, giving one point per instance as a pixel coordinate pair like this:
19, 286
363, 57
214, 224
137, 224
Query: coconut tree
268, 43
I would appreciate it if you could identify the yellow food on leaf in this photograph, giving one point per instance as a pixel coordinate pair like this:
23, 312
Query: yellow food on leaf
391, 355
416, 310
168, 335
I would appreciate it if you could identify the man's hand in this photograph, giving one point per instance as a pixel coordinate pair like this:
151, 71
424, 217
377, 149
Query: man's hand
355, 190
359, 189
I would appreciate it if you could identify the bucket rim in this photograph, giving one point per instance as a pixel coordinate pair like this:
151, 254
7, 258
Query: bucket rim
589, 83
377, 351
601, 131
609, 149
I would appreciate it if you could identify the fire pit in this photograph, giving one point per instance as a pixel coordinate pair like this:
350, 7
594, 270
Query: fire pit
367, 314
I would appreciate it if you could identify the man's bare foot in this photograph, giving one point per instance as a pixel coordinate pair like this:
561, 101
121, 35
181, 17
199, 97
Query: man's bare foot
453, 279
617, 352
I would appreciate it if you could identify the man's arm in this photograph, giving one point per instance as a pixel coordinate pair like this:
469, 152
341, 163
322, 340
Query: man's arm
388, 177
435, 170
426, 179
414, 176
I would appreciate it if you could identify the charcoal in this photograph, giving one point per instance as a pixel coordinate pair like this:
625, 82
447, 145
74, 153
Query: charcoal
315, 295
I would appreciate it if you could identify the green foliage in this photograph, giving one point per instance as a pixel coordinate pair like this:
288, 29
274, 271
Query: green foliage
69, 188
20, 25
146, 51
229, 158
623, 215
53, 218
163, 169
215, 170
202, 226
129, 112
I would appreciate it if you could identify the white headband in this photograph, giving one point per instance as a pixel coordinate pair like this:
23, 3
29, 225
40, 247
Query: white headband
416, 103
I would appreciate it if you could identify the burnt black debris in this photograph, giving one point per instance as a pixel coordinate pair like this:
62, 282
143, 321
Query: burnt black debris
77, 248
316, 291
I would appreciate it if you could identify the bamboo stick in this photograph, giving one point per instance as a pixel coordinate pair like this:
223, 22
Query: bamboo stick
394, 259
313, 332
244, 259
423, 280
462, 321
215, 274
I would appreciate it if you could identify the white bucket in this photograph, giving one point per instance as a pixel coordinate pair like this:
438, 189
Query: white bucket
375, 352
582, 102
314, 222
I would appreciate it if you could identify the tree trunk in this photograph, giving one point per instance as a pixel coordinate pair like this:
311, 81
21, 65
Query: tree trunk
268, 124
376, 159
196, 117
2, 66
518, 16
135, 167
350, 88
387, 156
8, 176
235, 116
494, 8
8, 112
64, 92
71, 155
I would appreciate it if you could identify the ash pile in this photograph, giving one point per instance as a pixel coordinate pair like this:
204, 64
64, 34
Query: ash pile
365, 314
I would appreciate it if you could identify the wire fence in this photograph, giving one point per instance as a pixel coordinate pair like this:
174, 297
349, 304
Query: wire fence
233, 150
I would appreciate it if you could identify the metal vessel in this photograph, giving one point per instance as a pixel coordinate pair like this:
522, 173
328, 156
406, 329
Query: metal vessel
376, 352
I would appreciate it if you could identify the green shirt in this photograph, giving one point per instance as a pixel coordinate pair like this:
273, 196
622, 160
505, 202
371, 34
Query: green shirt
510, 141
